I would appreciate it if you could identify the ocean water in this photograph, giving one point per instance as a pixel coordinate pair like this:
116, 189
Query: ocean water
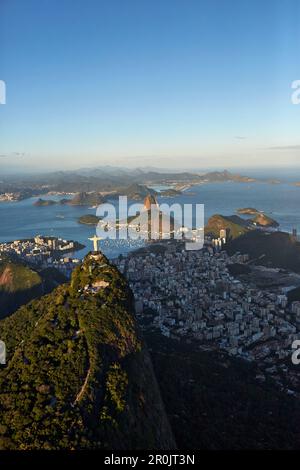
24, 220
279, 201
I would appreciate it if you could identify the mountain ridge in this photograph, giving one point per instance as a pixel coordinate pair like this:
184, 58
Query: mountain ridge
78, 373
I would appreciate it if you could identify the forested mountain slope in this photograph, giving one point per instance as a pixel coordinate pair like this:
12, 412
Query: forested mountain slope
78, 375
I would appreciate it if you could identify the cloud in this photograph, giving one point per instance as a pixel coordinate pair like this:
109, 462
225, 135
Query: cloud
240, 137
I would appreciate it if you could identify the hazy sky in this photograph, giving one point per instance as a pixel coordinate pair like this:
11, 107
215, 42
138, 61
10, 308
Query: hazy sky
189, 83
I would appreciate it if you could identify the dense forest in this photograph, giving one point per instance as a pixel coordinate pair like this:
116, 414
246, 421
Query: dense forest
78, 375
214, 401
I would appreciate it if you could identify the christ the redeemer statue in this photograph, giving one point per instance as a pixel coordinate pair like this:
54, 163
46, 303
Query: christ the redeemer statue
95, 241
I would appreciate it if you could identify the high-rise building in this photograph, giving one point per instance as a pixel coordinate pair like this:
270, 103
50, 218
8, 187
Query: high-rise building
223, 233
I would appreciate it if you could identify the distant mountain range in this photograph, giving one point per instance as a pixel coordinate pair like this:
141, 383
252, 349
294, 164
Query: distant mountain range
135, 191
106, 180
113, 179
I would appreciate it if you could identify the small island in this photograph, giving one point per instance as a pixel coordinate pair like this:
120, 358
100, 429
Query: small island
89, 219
44, 202
80, 199
248, 211
170, 192
260, 219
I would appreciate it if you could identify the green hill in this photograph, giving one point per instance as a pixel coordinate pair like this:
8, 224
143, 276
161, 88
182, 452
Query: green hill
44, 202
234, 225
237, 226
19, 284
78, 374
89, 219
84, 199
17, 277
277, 249
135, 191
171, 192
221, 176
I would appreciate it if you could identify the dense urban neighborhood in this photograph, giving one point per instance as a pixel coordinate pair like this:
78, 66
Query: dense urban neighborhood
44, 251
191, 295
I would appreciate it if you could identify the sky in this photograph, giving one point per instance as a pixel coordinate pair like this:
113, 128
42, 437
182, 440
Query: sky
170, 83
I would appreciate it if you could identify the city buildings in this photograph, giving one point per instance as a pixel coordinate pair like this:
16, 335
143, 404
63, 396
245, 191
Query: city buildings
191, 295
43, 251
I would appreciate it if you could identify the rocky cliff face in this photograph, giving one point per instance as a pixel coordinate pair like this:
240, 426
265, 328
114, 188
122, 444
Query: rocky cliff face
79, 375
149, 201
265, 221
